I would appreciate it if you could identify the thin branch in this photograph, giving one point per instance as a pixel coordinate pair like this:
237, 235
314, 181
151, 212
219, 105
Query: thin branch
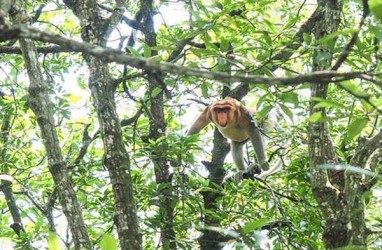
365, 97
114, 18
179, 48
296, 40
126, 78
131, 120
354, 38
130, 22
86, 141
6, 189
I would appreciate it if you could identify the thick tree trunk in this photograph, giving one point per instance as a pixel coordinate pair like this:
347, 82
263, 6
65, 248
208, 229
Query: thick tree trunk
40, 104
116, 159
212, 240
339, 195
167, 200
96, 29
328, 195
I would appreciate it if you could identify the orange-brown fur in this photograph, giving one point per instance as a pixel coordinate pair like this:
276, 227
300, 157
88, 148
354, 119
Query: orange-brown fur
234, 122
237, 119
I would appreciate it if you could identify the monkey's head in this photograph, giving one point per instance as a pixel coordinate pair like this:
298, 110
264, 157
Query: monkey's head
223, 112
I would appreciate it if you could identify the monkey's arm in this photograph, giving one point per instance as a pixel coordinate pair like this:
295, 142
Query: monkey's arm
200, 122
258, 144
237, 154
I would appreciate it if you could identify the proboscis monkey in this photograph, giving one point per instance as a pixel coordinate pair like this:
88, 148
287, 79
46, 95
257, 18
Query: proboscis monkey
235, 122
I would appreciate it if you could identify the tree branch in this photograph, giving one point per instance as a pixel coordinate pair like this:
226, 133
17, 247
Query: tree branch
132, 23
365, 149
354, 38
43, 50
113, 55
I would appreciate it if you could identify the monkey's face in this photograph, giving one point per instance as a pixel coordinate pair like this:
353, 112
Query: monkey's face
222, 115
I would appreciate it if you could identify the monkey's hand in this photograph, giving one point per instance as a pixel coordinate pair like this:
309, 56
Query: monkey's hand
264, 166
254, 169
236, 177
239, 176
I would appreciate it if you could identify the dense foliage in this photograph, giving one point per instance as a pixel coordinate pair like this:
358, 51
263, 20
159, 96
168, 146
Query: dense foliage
177, 190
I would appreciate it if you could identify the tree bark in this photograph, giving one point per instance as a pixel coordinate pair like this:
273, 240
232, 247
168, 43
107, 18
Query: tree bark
338, 194
167, 200
5, 185
328, 195
212, 240
96, 30
39, 103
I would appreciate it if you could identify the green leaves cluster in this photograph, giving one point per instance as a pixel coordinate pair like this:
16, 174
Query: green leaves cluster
247, 37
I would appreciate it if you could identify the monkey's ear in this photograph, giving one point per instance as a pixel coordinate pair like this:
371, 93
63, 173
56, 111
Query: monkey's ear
201, 122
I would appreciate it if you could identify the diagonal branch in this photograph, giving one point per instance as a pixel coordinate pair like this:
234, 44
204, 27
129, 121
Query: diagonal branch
354, 38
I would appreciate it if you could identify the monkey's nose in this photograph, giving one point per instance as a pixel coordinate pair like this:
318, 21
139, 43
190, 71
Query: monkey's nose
223, 124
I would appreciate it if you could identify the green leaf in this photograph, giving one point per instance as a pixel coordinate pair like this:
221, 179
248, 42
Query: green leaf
53, 242
224, 45
109, 242
366, 106
329, 104
316, 117
254, 225
156, 92
323, 56
356, 127
376, 8
287, 111
307, 38
329, 39
133, 51
264, 112
367, 196
377, 30
352, 86
147, 51
210, 46
267, 38
204, 89
290, 97
290, 23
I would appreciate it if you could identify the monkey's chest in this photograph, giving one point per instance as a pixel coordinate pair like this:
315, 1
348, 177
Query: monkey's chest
235, 133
